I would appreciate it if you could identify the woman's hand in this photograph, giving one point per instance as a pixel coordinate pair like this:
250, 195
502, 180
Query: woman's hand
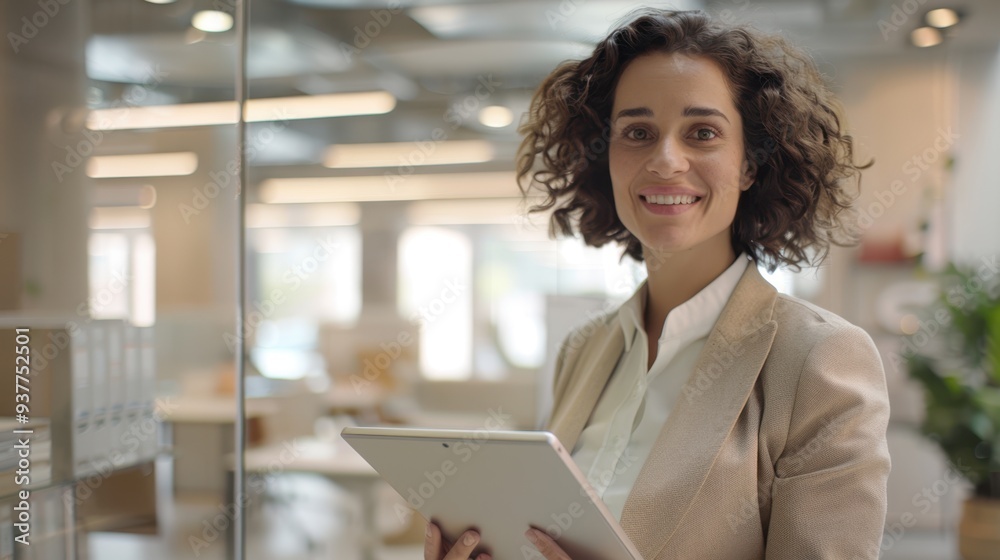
436, 548
546, 545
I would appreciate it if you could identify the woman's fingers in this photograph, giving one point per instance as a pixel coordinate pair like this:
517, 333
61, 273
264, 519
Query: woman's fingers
435, 547
463, 546
546, 545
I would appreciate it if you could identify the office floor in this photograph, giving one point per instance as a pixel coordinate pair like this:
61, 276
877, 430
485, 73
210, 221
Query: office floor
300, 517
303, 517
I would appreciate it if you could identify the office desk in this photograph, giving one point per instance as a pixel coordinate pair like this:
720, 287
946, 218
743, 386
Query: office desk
336, 461
201, 433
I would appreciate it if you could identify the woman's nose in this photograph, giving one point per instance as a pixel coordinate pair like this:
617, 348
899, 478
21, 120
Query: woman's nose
667, 158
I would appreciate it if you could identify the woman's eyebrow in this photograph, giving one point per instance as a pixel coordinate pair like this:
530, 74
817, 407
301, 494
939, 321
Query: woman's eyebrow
692, 111
689, 111
634, 112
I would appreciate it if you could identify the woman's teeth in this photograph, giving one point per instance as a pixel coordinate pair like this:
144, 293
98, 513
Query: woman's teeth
666, 199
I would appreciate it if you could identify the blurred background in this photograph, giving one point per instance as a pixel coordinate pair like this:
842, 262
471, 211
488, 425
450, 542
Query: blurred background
393, 276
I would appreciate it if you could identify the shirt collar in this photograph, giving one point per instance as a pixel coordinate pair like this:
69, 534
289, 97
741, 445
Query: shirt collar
690, 320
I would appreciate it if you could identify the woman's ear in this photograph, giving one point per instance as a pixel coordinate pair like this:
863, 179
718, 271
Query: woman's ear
747, 176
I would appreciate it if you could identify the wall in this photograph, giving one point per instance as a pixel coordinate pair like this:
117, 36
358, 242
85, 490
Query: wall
42, 85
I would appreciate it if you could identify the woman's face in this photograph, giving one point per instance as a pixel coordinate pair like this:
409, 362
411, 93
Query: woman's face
676, 153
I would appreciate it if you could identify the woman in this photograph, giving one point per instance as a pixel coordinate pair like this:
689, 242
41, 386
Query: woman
715, 417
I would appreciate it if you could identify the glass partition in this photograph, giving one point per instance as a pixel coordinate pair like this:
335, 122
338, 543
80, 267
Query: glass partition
118, 240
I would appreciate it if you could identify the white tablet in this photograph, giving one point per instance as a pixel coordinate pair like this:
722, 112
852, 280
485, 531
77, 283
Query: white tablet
497, 482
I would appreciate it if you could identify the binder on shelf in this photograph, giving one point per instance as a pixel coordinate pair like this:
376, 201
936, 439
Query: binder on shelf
81, 399
99, 417
131, 442
149, 443
116, 392
91, 381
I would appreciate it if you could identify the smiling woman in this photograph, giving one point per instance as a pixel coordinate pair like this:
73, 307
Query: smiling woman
715, 417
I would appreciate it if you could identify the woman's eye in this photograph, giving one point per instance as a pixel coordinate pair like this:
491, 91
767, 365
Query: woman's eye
637, 134
705, 134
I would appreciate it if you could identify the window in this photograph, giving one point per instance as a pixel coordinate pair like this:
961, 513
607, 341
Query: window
122, 276
479, 292
307, 272
435, 292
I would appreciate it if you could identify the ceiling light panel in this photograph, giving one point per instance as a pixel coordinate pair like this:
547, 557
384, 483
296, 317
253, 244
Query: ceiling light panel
212, 21
941, 18
258, 110
391, 154
372, 188
925, 37
496, 116
142, 165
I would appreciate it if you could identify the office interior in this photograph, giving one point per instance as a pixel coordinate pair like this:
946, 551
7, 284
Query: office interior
391, 273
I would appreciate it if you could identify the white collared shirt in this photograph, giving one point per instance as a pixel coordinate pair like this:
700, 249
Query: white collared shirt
635, 404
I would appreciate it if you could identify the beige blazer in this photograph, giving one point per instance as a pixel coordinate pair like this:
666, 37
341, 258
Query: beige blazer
775, 448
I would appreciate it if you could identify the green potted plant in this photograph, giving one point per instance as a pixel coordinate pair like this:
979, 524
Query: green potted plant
955, 356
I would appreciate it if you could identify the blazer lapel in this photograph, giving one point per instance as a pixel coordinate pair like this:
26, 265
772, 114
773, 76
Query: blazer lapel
703, 416
591, 370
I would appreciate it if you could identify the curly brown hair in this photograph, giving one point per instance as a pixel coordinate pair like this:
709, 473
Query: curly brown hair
792, 134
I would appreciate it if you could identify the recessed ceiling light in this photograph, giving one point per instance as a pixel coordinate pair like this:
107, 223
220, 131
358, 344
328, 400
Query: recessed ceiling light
496, 116
143, 165
161, 1
371, 188
941, 18
391, 154
212, 21
258, 110
925, 37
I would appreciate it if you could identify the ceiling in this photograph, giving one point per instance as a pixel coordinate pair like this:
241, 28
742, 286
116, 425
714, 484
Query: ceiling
433, 54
